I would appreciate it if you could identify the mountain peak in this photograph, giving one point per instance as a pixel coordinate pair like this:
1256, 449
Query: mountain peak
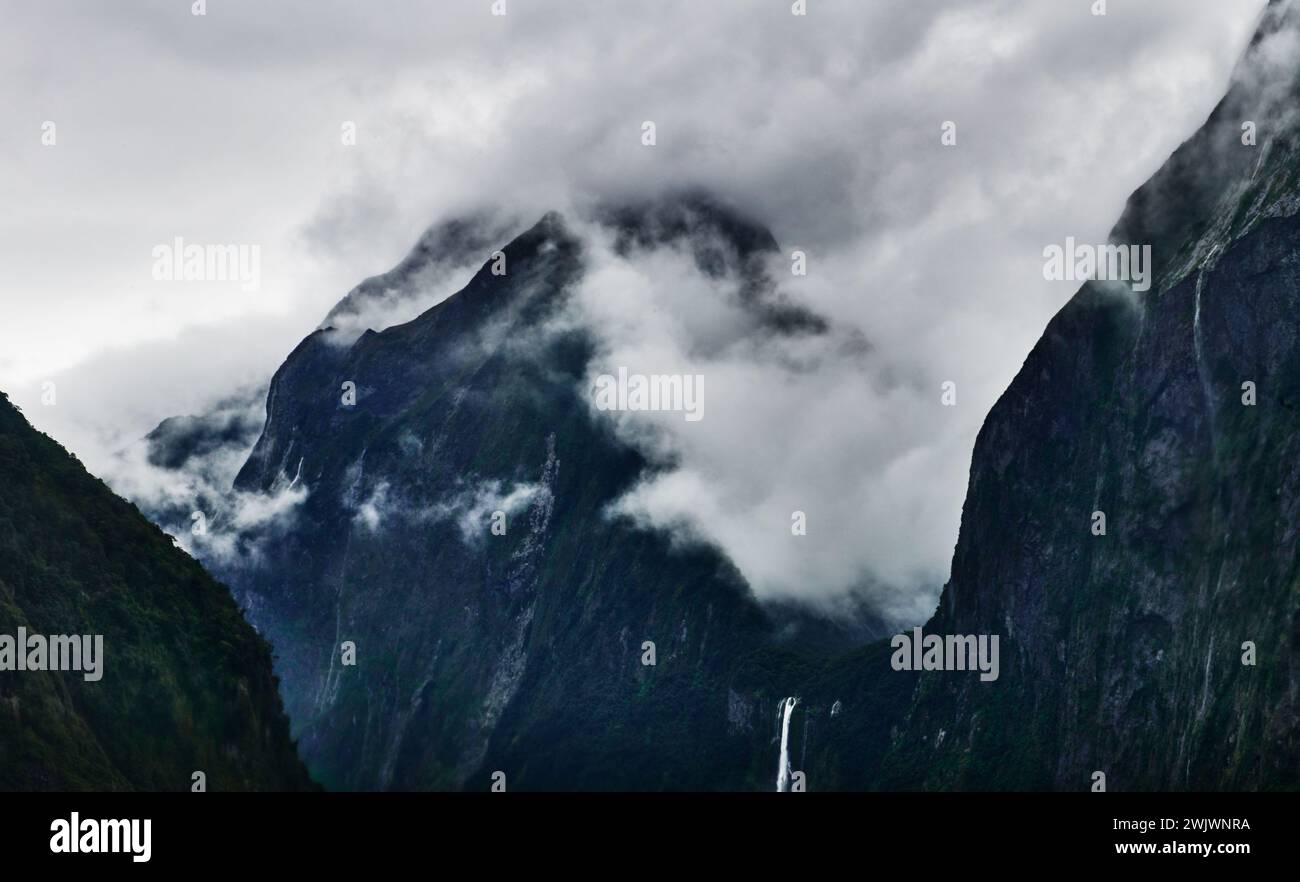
1238, 169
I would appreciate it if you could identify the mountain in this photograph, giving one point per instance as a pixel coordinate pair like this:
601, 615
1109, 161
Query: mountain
447, 253
181, 684
1129, 653
1162, 651
522, 652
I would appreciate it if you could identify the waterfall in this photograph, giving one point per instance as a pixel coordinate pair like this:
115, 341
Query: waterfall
783, 771
1199, 348
1202, 370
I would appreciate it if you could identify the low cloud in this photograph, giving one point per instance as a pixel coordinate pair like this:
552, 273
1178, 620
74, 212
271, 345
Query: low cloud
469, 507
441, 263
925, 260
807, 418
182, 474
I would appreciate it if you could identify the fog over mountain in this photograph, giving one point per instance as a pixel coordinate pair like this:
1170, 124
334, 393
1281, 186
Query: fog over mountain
923, 261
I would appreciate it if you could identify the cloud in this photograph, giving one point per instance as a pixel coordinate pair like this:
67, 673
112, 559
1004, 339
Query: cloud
473, 507
181, 475
826, 127
470, 507
805, 418
441, 263
371, 513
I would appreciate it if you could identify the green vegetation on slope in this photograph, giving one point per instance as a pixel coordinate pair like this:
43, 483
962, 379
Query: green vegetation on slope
186, 682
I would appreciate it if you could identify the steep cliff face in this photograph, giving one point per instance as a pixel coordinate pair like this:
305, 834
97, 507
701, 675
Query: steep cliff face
183, 684
1163, 651
1129, 653
522, 652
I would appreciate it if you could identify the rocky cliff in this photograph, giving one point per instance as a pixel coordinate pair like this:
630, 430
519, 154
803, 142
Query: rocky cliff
1129, 532
1164, 653
524, 650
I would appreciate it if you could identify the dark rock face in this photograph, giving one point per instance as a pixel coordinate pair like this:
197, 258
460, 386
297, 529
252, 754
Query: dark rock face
520, 652
1123, 653
185, 684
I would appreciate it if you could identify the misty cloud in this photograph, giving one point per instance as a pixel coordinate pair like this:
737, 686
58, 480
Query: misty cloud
924, 261
181, 475
469, 508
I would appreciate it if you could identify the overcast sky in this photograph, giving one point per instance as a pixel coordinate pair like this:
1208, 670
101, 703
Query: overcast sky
226, 128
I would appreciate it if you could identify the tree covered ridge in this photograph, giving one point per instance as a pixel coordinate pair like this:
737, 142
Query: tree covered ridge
187, 683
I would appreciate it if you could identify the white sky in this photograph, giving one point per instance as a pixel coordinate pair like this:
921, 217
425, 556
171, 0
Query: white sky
226, 129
